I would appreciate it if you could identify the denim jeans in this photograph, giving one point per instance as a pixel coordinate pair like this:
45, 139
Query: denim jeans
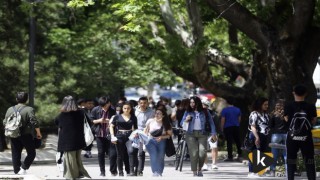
280, 139
156, 151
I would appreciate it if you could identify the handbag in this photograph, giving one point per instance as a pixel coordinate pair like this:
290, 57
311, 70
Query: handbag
88, 136
157, 133
37, 143
248, 143
170, 149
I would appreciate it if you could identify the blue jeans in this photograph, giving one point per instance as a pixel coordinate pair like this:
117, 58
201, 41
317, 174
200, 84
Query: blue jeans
156, 151
280, 139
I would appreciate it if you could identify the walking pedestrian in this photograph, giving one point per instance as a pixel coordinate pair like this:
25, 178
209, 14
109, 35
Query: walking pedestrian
212, 144
143, 112
303, 140
25, 140
120, 129
100, 116
230, 122
196, 136
159, 130
71, 141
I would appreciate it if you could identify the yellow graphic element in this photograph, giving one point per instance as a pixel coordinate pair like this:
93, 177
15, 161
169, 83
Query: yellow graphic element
264, 170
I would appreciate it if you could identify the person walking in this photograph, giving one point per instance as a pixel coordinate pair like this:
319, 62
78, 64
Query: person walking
278, 128
196, 136
159, 130
100, 116
230, 122
143, 112
120, 129
25, 140
71, 141
82, 104
303, 141
259, 127
212, 144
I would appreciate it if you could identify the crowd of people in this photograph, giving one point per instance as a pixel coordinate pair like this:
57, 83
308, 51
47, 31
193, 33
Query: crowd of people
113, 127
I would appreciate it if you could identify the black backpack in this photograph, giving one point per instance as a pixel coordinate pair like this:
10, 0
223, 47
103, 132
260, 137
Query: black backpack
300, 126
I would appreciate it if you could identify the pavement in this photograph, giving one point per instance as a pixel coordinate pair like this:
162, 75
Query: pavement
45, 167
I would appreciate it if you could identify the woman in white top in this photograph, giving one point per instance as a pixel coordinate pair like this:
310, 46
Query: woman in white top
159, 130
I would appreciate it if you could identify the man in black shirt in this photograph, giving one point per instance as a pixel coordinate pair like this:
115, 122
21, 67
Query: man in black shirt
304, 143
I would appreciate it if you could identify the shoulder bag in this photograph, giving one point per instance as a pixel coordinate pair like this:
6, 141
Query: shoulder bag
88, 136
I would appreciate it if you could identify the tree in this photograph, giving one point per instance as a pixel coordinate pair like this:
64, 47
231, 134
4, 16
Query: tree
283, 50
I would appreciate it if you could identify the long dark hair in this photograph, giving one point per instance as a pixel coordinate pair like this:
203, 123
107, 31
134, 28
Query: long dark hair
198, 104
165, 119
132, 110
257, 105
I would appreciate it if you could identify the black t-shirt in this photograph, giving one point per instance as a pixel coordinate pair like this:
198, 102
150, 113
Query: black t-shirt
278, 125
293, 107
125, 125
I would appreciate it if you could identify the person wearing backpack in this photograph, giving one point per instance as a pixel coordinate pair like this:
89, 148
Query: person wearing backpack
22, 137
300, 116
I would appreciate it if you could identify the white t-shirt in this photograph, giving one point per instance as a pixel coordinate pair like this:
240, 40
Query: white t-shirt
154, 125
197, 122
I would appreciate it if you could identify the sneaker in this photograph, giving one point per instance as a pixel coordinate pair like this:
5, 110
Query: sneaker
114, 174
22, 172
214, 167
195, 174
155, 174
140, 173
271, 174
121, 174
228, 160
253, 175
103, 174
200, 174
204, 167
88, 154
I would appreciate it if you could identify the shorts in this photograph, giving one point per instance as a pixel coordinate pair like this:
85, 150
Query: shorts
212, 144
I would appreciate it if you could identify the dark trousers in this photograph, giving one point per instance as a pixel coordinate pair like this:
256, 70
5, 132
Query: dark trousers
17, 144
264, 142
104, 147
88, 148
307, 151
142, 158
232, 134
124, 146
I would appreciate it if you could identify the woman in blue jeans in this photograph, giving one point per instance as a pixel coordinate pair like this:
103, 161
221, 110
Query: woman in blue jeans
279, 130
159, 130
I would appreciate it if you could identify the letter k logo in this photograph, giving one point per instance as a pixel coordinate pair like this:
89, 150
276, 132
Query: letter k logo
260, 161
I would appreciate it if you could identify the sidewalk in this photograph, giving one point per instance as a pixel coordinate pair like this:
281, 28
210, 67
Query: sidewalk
44, 167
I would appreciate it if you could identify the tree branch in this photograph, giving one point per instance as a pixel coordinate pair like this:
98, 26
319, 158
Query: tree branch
173, 25
195, 18
302, 17
232, 64
241, 18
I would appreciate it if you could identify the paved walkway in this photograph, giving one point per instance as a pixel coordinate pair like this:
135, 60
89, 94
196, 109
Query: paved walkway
44, 167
